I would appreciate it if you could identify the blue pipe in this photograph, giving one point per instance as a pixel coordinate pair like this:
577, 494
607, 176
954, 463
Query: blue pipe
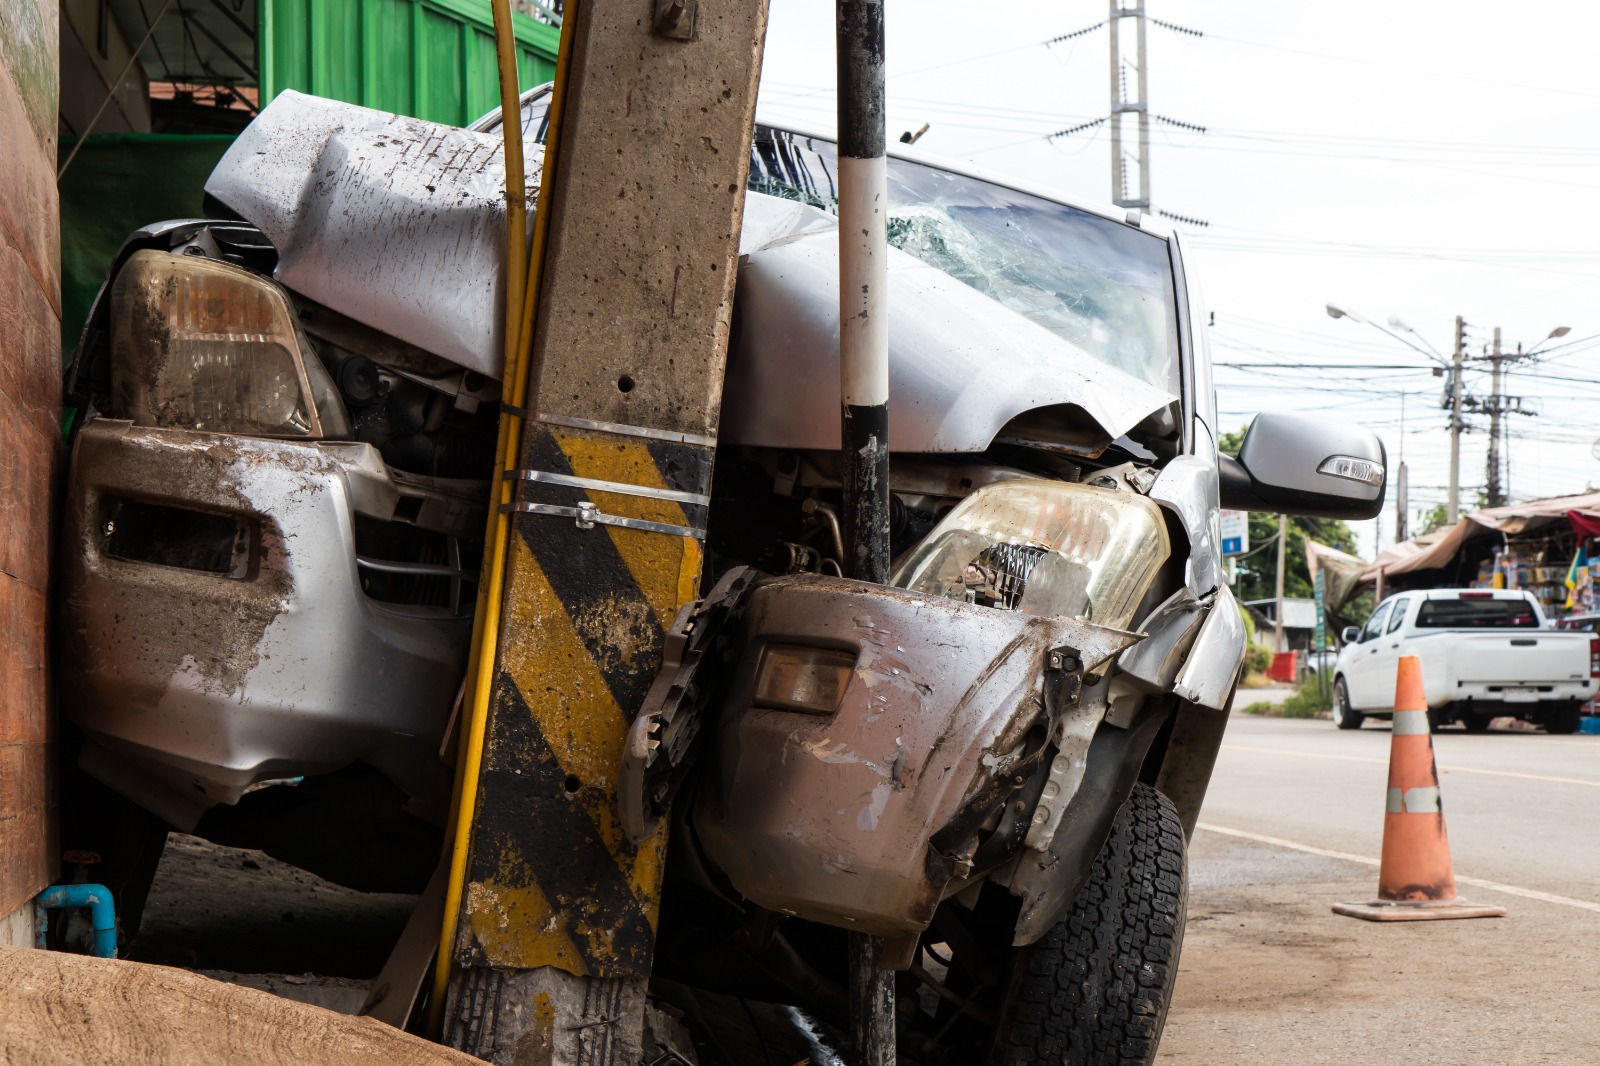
102, 914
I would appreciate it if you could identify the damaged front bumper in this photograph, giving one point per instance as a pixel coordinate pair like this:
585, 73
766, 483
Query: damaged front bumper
930, 769
964, 743
219, 626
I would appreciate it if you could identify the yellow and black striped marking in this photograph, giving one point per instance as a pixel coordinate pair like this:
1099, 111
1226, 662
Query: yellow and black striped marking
552, 879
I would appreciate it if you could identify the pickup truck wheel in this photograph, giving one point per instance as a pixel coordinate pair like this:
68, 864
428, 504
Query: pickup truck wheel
1563, 721
1343, 716
1476, 723
1094, 990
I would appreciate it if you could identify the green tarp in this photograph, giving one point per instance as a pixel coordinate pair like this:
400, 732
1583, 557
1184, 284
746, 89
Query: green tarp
117, 183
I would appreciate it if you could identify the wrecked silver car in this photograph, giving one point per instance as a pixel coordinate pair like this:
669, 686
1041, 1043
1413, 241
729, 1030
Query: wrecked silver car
280, 463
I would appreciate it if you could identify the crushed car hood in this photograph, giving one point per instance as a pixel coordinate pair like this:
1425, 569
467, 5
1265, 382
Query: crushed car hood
399, 224
395, 222
962, 366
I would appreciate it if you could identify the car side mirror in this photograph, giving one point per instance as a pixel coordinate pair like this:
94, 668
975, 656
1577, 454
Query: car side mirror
1302, 465
1351, 634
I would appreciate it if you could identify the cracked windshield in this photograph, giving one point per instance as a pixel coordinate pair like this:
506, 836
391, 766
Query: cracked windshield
1102, 286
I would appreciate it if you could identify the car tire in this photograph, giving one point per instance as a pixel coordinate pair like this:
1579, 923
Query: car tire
1563, 721
1094, 990
1344, 716
1476, 723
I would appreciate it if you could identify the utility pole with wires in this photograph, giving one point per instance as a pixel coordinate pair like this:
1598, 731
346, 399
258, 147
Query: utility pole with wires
1402, 502
1122, 106
1453, 507
1492, 474
1498, 466
1283, 540
1137, 104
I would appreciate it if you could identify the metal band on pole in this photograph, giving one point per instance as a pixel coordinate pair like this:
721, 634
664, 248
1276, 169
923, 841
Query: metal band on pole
864, 396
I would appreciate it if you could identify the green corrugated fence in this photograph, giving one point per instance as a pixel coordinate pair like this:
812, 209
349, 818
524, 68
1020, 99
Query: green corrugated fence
432, 59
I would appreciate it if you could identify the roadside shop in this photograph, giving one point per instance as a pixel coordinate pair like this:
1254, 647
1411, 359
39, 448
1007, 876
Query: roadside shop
1550, 548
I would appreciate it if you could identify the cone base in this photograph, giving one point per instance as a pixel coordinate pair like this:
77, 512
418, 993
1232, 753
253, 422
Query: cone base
1428, 910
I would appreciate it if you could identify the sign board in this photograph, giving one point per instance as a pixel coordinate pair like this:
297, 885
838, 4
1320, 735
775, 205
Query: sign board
1235, 532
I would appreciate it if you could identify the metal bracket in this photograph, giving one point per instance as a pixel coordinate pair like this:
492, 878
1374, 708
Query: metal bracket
660, 746
586, 515
1063, 690
1063, 680
589, 484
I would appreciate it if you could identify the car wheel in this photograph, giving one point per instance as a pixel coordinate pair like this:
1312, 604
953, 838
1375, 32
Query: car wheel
1094, 990
1343, 715
1563, 721
1476, 723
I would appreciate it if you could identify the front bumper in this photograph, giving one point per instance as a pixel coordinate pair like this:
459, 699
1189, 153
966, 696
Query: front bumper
865, 817
195, 679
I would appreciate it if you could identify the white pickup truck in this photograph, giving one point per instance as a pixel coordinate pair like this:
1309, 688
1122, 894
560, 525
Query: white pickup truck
1485, 655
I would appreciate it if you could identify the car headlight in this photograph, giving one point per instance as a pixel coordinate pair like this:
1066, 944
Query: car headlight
198, 344
1046, 548
794, 677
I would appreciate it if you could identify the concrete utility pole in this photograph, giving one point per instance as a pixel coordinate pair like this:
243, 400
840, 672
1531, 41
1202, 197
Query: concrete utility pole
1453, 506
556, 933
1492, 473
1283, 540
1402, 504
864, 403
1121, 105
1401, 500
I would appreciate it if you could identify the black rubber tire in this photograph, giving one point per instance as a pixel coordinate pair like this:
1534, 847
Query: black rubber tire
1476, 723
1563, 721
1094, 990
1343, 716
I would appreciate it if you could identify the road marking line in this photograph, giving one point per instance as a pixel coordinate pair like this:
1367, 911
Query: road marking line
1442, 769
1476, 882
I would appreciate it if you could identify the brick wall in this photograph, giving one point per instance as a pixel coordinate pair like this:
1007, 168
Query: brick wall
30, 360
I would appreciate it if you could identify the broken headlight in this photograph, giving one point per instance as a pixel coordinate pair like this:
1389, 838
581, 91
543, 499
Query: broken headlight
1044, 548
794, 677
198, 344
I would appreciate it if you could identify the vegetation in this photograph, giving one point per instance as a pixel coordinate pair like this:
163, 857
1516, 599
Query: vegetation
1257, 657
1433, 520
1309, 701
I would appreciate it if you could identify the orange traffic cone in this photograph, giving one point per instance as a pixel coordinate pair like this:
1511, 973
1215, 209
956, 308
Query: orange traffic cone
1415, 879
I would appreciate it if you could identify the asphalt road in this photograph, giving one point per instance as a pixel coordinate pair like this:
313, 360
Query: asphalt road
1293, 823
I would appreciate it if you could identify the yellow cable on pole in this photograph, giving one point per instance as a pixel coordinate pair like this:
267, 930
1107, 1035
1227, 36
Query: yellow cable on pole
522, 279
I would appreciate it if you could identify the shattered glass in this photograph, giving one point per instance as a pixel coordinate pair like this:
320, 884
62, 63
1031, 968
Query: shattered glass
1101, 285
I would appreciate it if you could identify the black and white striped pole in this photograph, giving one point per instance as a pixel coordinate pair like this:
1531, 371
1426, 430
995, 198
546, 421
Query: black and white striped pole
864, 395
863, 285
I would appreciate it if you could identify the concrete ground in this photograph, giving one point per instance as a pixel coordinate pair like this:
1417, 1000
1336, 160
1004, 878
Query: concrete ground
1293, 824
227, 910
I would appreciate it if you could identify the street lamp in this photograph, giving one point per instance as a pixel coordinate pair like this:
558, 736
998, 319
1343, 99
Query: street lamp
1335, 311
1558, 332
1395, 323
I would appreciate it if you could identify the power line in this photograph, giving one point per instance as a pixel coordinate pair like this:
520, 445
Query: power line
1075, 33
